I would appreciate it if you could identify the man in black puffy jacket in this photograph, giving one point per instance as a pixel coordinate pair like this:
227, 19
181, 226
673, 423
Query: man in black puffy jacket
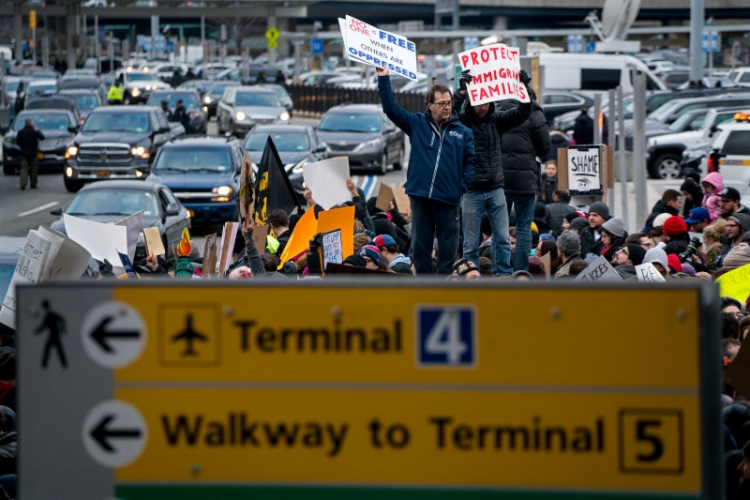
521, 146
486, 190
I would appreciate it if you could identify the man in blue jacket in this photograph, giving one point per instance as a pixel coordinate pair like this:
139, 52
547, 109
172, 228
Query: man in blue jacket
441, 165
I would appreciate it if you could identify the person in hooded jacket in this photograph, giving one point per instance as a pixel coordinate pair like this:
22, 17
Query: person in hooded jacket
486, 190
613, 236
670, 203
692, 194
713, 184
521, 146
557, 139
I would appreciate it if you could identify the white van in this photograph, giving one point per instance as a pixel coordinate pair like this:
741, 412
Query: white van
593, 73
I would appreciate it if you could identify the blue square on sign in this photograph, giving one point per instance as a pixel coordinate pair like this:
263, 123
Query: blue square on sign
446, 336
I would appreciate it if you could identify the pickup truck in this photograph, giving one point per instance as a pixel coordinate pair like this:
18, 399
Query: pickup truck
731, 146
117, 142
665, 151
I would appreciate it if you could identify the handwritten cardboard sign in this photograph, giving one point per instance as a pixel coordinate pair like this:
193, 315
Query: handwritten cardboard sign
152, 240
647, 273
260, 233
385, 197
584, 170
375, 47
494, 69
599, 270
403, 204
209, 256
332, 247
228, 235
735, 283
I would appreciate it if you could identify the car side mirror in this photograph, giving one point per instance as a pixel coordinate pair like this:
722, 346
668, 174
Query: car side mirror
164, 130
74, 129
321, 149
172, 209
56, 211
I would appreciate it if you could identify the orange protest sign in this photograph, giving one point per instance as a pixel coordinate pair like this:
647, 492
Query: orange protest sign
299, 241
339, 218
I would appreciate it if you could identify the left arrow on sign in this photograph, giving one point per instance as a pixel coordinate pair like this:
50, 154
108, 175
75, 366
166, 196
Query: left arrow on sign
101, 335
102, 433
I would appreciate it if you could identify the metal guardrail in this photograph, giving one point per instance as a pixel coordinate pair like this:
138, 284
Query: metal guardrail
317, 99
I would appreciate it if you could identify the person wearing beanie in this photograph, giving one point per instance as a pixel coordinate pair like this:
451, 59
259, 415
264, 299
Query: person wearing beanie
673, 261
557, 210
670, 203
675, 226
626, 258
389, 253
658, 258
736, 227
569, 250
466, 269
371, 254
568, 218
738, 256
355, 260
590, 242
613, 236
579, 224
692, 195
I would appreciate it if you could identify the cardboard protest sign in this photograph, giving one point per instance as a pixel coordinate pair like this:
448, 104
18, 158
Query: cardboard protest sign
375, 47
260, 233
246, 186
299, 241
735, 283
153, 242
385, 196
647, 273
209, 256
494, 70
584, 170
332, 247
133, 223
101, 240
327, 181
599, 270
343, 219
403, 204
228, 235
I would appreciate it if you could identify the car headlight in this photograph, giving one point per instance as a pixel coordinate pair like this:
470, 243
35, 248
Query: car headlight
207, 99
71, 151
139, 151
284, 116
223, 190
375, 143
239, 115
135, 92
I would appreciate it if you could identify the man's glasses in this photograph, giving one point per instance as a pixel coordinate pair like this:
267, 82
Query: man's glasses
442, 104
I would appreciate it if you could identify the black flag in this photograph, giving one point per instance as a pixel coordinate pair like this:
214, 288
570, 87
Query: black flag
272, 186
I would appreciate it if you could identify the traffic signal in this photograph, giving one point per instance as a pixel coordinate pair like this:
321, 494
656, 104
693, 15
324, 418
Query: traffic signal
32, 19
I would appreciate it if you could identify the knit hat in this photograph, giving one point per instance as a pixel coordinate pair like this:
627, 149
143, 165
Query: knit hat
573, 215
742, 219
579, 223
659, 220
383, 240
615, 227
730, 193
636, 253
738, 256
371, 252
600, 208
697, 215
688, 269
547, 236
674, 262
674, 225
569, 243
355, 260
463, 266
657, 256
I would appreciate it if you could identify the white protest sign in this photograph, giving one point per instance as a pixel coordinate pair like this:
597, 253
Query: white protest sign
494, 70
648, 274
599, 270
133, 223
332, 251
68, 259
101, 240
327, 181
584, 169
372, 46
31, 268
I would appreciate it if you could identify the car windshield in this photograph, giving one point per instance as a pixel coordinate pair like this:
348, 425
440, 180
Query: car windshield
194, 159
142, 77
284, 141
12, 85
345, 122
666, 109
123, 203
40, 89
86, 101
256, 99
682, 122
114, 121
46, 121
188, 100
217, 88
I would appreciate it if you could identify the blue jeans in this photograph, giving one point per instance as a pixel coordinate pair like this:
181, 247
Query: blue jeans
431, 218
525, 204
474, 204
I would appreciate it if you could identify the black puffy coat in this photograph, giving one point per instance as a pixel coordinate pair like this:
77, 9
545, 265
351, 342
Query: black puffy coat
488, 167
521, 145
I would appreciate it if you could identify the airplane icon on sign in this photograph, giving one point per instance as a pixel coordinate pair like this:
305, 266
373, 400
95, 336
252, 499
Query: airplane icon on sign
189, 336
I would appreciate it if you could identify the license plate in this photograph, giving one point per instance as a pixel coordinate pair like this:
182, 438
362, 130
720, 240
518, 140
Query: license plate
102, 173
40, 156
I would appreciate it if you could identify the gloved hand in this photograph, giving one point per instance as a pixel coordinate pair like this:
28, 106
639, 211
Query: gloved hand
464, 79
524, 77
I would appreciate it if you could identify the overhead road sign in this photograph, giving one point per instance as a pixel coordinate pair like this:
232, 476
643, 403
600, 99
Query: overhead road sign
192, 393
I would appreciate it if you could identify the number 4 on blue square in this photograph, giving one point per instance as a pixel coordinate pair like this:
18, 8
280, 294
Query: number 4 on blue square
446, 336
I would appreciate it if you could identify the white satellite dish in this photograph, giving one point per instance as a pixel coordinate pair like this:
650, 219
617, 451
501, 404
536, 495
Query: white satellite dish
617, 17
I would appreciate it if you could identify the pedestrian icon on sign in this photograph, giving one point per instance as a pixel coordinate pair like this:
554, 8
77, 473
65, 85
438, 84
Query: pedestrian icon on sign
189, 336
56, 326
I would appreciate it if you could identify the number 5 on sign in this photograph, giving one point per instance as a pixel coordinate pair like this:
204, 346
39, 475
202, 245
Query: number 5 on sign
651, 441
446, 337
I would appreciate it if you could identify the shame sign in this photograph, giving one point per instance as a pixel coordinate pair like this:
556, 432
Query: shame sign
584, 170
